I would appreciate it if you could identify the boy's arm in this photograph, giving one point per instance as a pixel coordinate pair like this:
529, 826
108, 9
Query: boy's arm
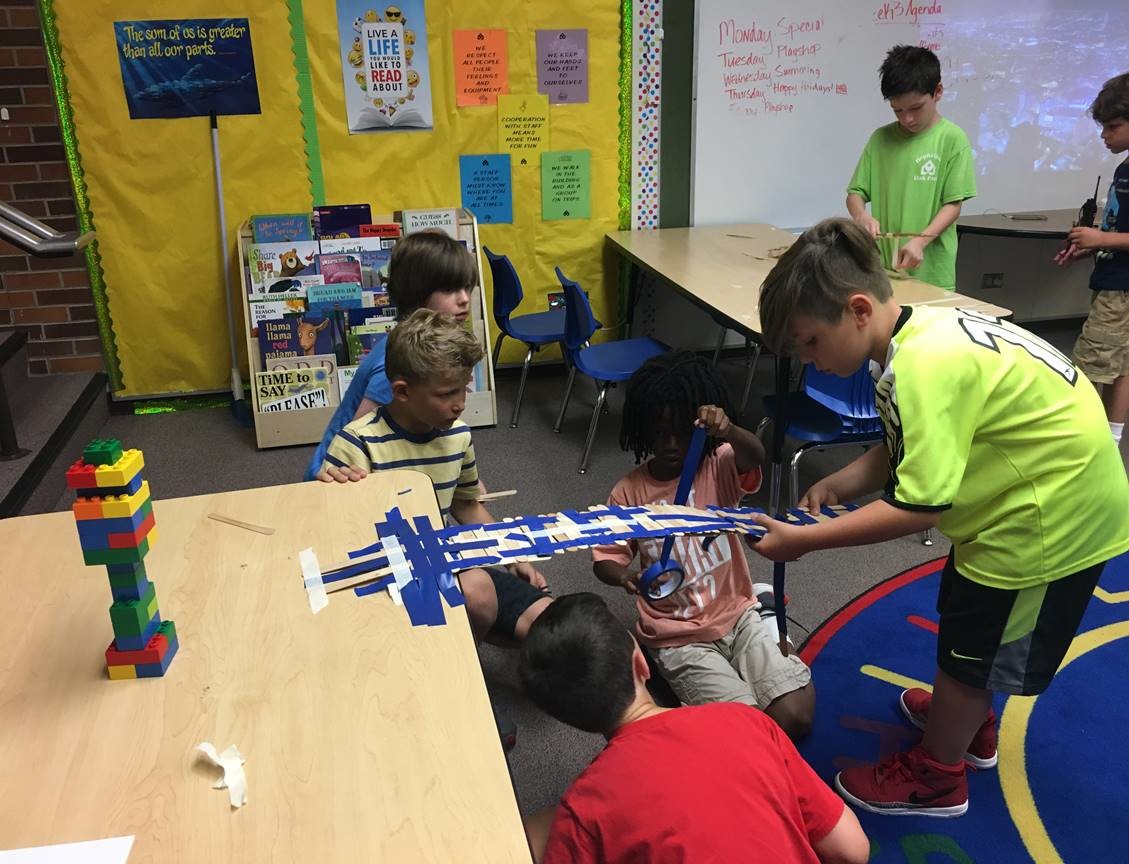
367, 406
856, 206
617, 575
1091, 239
912, 253
845, 843
346, 459
873, 523
747, 447
865, 475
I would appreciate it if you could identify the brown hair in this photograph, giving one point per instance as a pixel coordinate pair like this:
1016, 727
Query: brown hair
829, 262
426, 262
1112, 102
427, 345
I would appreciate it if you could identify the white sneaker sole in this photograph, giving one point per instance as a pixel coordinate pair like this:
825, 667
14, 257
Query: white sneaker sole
901, 809
974, 761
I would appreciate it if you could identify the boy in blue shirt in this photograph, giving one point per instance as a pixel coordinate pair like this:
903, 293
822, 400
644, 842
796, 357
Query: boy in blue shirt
915, 173
1102, 349
428, 270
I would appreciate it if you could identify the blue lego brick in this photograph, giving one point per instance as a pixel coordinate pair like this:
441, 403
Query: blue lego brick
103, 491
97, 530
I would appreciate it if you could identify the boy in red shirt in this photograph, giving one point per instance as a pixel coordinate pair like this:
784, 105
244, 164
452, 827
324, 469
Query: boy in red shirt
707, 639
713, 783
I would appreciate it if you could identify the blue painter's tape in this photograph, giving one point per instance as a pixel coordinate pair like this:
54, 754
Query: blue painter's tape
378, 585
652, 589
800, 517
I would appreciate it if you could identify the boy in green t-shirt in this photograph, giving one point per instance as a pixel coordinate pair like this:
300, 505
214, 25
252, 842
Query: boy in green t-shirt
994, 437
915, 173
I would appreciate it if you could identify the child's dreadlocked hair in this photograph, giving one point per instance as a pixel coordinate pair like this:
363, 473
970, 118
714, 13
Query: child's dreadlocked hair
680, 383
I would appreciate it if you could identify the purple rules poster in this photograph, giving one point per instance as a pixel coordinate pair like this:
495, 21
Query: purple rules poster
562, 65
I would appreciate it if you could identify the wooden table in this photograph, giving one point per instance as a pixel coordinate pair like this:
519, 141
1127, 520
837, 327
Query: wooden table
366, 739
721, 268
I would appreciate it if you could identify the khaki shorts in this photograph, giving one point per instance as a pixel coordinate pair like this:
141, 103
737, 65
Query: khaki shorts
1102, 350
745, 665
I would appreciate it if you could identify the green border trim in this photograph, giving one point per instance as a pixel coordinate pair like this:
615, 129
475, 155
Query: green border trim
306, 102
81, 200
626, 38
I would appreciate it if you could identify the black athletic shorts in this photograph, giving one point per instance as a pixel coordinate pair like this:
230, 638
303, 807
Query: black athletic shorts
1012, 641
514, 597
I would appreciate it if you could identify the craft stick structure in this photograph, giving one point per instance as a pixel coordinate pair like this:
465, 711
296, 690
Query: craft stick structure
416, 563
114, 515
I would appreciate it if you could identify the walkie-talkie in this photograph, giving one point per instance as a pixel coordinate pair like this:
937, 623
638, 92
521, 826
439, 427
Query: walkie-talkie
1089, 209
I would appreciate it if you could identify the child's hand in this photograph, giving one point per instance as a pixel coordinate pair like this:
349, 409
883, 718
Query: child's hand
780, 542
870, 224
1086, 239
630, 583
714, 420
910, 255
348, 474
528, 573
819, 495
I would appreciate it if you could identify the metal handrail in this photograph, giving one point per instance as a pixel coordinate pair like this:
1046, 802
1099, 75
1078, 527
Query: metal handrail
39, 239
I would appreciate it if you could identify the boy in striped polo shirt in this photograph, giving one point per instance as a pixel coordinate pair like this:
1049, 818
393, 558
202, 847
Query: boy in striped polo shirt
429, 363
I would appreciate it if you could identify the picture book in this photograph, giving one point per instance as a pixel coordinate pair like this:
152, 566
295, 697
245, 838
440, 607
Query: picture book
338, 268
360, 344
294, 337
445, 220
324, 299
384, 65
281, 228
345, 376
270, 262
281, 383
386, 230
267, 309
340, 220
373, 255
318, 398
326, 362
288, 286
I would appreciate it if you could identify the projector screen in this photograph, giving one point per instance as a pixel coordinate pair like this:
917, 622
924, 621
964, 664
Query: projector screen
786, 95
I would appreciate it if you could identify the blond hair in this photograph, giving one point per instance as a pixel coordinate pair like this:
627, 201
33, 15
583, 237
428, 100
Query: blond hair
428, 345
829, 262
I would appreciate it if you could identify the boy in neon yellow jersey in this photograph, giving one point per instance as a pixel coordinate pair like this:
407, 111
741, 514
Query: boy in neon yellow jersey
994, 437
914, 172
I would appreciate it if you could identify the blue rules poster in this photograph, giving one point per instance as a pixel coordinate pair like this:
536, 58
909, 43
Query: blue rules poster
187, 68
486, 187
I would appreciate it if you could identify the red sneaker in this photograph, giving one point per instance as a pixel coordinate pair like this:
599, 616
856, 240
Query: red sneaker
906, 783
981, 752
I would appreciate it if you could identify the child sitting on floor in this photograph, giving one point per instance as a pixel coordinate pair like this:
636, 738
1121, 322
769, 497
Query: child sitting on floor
717, 782
707, 638
429, 362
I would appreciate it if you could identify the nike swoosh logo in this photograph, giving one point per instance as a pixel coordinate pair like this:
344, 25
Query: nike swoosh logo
917, 799
964, 656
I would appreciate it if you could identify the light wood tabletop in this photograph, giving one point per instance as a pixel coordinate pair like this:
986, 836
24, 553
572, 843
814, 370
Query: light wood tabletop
722, 267
366, 739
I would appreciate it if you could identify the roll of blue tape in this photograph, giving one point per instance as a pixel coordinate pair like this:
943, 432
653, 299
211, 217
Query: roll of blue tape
651, 585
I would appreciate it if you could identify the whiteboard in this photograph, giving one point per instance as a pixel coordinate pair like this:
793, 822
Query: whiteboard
787, 94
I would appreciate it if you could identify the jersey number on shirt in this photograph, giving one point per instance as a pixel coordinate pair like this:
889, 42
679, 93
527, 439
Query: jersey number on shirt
985, 330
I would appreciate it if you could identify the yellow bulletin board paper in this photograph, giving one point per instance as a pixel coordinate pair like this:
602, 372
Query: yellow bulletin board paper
481, 66
523, 127
152, 192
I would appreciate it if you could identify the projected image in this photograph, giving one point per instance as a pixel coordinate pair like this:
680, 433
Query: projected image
1021, 84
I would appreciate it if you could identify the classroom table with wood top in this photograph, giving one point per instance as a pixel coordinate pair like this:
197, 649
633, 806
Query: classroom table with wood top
1032, 225
720, 268
365, 738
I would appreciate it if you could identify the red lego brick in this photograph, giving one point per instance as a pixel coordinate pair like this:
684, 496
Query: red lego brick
153, 652
81, 475
128, 540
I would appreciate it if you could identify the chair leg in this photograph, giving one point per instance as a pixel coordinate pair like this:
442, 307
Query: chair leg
592, 429
564, 402
497, 349
927, 537
521, 386
762, 426
718, 347
794, 477
750, 375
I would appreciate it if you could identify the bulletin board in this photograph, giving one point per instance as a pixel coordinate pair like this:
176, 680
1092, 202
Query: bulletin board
148, 185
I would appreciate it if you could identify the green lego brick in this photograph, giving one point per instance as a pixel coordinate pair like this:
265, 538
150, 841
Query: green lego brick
118, 556
102, 451
130, 617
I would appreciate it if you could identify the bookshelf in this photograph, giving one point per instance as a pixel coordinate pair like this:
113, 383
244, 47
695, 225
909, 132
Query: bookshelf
288, 428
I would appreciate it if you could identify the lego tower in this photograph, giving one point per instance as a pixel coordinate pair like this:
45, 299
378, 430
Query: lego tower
116, 528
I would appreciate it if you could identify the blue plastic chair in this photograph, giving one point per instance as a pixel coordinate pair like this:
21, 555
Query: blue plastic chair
829, 412
535, 330
606, 363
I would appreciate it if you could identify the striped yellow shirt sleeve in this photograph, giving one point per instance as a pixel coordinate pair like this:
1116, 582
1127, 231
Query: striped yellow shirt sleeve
467, 487
346, 450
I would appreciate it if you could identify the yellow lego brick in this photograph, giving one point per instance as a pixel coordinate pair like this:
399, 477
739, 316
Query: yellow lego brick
121, 673
122, 471
119, 506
